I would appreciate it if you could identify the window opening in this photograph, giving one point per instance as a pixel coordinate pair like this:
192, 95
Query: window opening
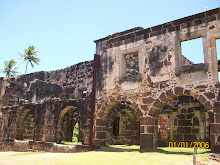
218, 56
84, 94
132, 67
116, 126
192, 51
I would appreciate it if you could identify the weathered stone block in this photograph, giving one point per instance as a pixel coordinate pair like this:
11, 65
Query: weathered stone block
189, 116
190, 110
183, 130
146, 121
215, 148
100, 122
101, 135
187, 92
196, 131
141, 129
154, 112
181, 116
144, 107
177, 137
184, 123
208, 106
163, 97
146, 141
139, 112
147, 100
178, 90
175, 122
210, 95
211, 116
212, 139
201, 99
217, 118
217, 107
190, 137
215, 128
195, 121
150, 129
183, 110
145, 94
170, 93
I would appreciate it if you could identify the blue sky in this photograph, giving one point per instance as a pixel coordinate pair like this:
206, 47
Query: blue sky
64, 30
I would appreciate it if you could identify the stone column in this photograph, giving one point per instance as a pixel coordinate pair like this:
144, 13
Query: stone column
215, 129
147, 130
100, 132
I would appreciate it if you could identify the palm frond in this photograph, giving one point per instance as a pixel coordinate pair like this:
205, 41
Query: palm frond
30, 56
9, 68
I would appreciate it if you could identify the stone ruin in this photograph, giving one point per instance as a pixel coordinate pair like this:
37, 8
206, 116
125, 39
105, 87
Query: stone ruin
147, 92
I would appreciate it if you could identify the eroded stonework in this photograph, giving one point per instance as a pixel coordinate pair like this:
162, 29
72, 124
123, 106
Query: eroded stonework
147, 92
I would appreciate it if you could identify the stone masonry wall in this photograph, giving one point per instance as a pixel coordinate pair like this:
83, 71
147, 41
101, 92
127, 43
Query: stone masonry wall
163, 72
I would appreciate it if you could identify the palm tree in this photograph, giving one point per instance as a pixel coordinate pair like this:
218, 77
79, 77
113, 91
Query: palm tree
30, 56
9, 68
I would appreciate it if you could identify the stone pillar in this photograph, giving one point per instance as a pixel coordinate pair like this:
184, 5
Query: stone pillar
215, 129
99, 132
147, 130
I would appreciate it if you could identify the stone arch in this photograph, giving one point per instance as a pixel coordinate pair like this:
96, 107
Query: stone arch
114, 100
105, 117
61, 119
152, 119
20, 124
178, 91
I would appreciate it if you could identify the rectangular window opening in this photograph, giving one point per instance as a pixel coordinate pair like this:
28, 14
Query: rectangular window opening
116, 126
192, 51
82, 93
132, 64
218, 56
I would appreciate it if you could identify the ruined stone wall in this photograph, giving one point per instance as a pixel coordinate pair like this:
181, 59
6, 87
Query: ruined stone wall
39, 94
163, 72
35, 87
36, 146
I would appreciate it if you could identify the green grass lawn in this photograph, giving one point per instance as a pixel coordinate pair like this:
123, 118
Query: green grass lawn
112, 154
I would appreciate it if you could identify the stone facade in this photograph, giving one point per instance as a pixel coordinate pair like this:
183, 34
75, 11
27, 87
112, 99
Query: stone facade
147, 92
163, 75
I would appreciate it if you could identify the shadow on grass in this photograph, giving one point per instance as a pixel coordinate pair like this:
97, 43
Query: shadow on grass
173, 152
159, 150
70, 143
117, 149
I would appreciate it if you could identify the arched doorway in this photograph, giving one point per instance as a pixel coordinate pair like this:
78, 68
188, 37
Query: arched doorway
182, 119
68, 119
26, 125
120, 125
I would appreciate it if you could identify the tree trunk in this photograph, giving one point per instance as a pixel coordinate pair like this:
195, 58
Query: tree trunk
26, 68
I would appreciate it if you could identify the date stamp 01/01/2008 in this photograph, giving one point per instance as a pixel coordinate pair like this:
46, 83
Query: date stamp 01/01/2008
189, 144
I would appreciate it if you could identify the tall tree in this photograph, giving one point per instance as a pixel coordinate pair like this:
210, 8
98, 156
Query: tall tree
9, 69
30, 56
